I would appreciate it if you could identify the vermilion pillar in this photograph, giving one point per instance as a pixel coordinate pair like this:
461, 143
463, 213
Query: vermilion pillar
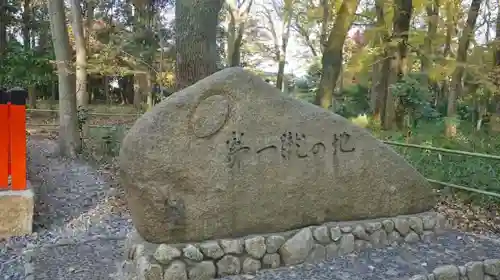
17, 120
4, 139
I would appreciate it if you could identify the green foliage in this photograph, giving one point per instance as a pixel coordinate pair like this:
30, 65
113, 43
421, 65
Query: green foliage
25, 68
105, 141
355, 101
461, 170
414, 98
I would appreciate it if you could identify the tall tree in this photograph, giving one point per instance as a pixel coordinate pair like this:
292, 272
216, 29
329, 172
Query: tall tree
380, 66
432, 9
196, 24
69, 138
332, 54
27, 47
286, 16
458, 73
394, 112
238, 13
82, 96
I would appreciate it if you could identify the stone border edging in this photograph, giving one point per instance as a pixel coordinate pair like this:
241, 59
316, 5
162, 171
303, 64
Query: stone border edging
247, 255
478, 270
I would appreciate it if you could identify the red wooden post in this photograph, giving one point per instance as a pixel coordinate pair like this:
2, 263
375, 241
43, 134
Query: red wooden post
18, 138
4, 140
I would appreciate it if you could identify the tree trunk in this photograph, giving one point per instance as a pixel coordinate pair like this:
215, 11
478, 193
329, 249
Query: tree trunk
27, 47
394, 111
458, 73
236, 28
82, 96
287, 22
380, 69
196, 40
332, 54
69, 138
3, 26
432, 9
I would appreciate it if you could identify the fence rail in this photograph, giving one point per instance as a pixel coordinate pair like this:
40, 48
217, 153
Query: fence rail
392, 143
89, 113
455, 152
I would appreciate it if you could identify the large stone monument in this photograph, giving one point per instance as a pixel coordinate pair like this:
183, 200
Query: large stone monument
231, 156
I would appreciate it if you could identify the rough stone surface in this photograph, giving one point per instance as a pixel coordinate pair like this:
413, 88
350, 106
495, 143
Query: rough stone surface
394, 237
165, 254
346, 244
317, 254
416, 224
154, 272
202, 271
251, 265
336, 233
360, 232
322, 235
296, 249
192, 252
271, 260
256, 246
248, 254
332, 250
232, 246
492, 267
212, 249
388, 225
176, 271
228, 265
378, 238
474, 270
212, 160
372, 227
447, 272
16, 212
273, 243
402, 226
412, 237
428, 222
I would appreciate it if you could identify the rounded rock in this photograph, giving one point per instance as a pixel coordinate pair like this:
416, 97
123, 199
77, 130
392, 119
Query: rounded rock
228, 265
273, 243
417, 225
360, 232
251, 265
388, 225
203, 271
175, 271
492, 267
296, 249
346, 245
271, 260
164, 254
212, 249
322, 235
192, 252
402, 225
256, 246
446, 272
232, 246
474, 270
335, 233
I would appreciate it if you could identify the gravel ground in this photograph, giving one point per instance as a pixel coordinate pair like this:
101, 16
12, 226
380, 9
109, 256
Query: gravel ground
81, 224
78, 210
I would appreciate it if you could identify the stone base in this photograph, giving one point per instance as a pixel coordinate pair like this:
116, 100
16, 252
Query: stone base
247, 255
16, 212
479, 270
